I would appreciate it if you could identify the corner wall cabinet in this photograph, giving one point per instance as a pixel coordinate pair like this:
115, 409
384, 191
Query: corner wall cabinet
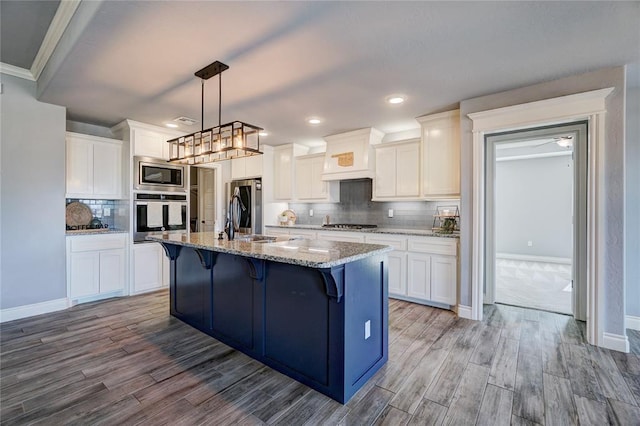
94, 167
150, 268
441, 155
309, 186
397, 171
96, 266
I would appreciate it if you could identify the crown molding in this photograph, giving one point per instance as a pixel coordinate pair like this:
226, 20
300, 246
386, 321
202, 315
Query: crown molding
58, 25
16, 71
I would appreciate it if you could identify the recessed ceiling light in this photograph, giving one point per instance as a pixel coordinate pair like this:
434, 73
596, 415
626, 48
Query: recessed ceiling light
314, 120
263, 133
172, 125
395, 99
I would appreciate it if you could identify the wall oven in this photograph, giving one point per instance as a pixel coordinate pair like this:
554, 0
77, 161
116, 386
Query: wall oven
158, 212
151, 174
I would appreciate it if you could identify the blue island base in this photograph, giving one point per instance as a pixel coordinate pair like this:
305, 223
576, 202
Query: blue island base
326, 328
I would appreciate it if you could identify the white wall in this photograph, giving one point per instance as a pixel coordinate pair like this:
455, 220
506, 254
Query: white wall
534, 203
614, 231
632, 191
32, 241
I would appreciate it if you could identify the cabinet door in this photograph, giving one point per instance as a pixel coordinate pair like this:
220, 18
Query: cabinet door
318, 186
111, 270
304, 178
443, 279
150, 144
419, 276
282, 167
408, 170
385, 182
253, 166
85, 274
107, 176
238, 168
147, 267
441, 160
397, 273
79, 166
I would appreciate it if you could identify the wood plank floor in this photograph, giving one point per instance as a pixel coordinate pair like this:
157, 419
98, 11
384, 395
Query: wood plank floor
127, 361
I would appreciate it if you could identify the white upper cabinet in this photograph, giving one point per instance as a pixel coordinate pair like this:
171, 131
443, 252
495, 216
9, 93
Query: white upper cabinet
246, 167
397, 171
441, 155
94, 167
309, 183
148, 143
284, 170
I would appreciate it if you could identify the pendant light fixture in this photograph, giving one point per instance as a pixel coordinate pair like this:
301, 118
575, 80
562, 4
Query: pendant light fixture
223, 142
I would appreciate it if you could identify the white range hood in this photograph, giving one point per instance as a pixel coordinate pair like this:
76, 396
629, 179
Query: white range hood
350, 155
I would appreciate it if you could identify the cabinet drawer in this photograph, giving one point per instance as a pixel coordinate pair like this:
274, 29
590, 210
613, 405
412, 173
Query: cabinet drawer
433, 245
311, 235
398, 243
97, 242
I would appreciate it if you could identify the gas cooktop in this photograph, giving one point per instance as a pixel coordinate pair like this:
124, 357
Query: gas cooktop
349, 226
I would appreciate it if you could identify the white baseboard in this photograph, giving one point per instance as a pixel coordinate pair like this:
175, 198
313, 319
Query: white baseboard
531, 258
615, 342
465, 312
25, 311
633, 322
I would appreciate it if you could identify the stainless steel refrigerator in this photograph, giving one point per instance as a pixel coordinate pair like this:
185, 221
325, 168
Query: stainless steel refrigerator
249, 219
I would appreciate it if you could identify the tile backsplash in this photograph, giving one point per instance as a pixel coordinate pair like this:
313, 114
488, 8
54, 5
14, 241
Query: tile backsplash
111, 212
355, 206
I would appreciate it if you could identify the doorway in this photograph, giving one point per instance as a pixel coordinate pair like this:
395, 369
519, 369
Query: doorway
203, 199
536, 192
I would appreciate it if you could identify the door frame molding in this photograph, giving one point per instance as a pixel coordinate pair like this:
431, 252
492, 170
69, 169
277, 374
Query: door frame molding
587, 106
578, 261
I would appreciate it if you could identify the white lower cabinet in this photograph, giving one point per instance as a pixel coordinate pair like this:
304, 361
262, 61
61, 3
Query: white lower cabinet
150, 268
347, 237
96, 266
421, 269
419, 276
397, 260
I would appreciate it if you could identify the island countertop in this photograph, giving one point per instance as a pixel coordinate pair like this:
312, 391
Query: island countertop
303, 252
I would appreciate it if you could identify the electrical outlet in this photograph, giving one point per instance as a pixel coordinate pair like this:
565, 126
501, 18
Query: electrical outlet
390, 213
311, 212
367, 329
106, 211
530, 243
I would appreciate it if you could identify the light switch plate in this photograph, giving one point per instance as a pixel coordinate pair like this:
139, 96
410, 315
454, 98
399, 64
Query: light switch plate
310, 212
367, 329
390, 213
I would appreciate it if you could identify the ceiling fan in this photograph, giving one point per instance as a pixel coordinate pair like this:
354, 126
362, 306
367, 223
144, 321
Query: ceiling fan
562, 141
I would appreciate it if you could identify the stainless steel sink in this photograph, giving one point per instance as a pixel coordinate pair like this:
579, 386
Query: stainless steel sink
255, 238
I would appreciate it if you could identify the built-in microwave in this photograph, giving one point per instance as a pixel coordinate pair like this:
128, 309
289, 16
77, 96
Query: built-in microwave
152, 174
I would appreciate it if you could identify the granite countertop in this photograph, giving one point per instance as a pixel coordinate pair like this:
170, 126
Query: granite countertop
382, 230
303, 252
95, 232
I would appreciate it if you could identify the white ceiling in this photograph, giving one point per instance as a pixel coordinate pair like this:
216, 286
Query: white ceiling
336, 60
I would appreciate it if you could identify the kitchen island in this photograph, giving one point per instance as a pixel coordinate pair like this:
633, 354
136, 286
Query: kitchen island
314, 310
